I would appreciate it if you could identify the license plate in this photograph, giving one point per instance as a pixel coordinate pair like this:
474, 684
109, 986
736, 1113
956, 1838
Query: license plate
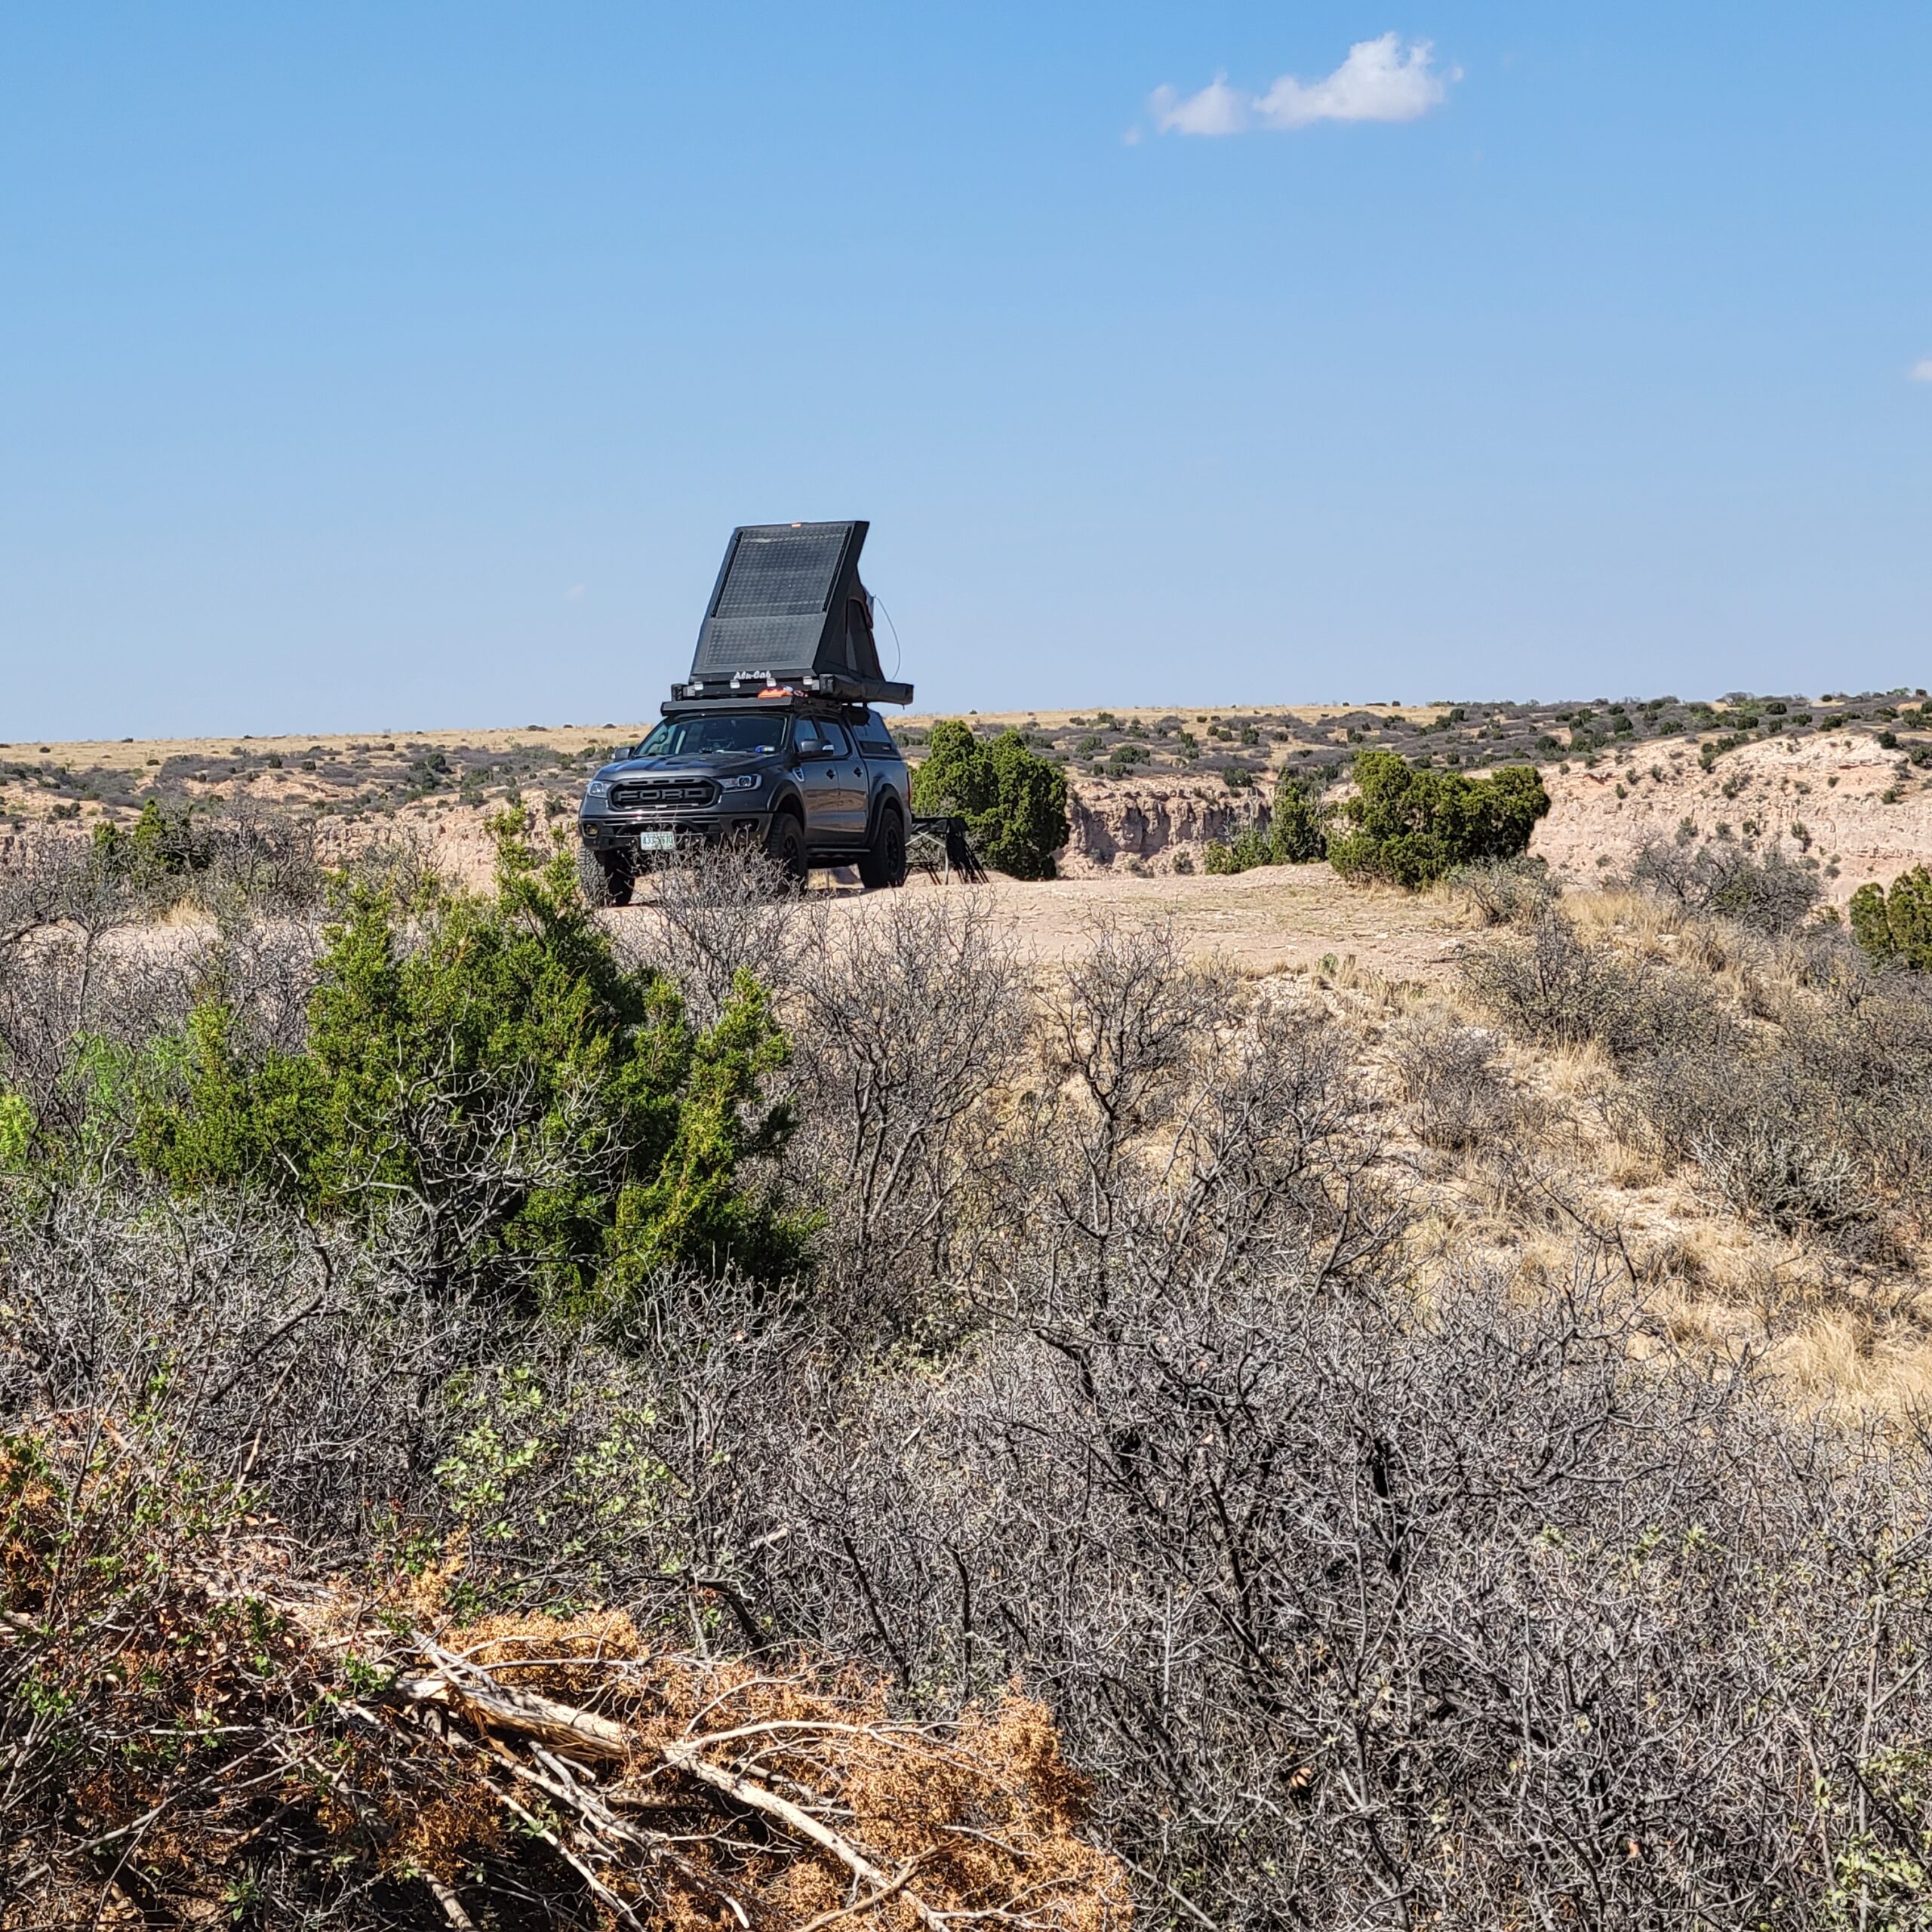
657, 841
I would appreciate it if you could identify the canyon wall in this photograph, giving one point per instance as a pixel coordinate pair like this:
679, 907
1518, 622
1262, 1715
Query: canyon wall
1844, 801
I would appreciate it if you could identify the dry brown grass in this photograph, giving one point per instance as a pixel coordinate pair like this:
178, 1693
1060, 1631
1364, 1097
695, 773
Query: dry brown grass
1852, 1333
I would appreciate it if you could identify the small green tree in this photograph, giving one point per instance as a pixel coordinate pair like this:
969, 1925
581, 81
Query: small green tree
482, 1066
1299, 830
1895, 923
1014, 802
164, 842
1408, 826
1869, 926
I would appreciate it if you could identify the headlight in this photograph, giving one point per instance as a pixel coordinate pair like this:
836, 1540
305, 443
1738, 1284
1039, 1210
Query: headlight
749, 781
597, 788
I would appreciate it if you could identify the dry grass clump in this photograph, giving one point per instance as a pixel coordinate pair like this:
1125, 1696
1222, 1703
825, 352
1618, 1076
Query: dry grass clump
1767, 1096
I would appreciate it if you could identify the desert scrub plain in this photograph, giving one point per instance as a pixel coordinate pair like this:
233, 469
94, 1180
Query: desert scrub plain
735, 1414
1841, 783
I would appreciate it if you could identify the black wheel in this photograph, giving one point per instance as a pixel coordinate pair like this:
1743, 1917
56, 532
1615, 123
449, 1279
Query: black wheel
784, 847
605, 877
617, 877
884, 863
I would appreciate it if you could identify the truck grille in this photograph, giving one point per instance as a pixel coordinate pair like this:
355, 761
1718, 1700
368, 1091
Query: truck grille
662, 795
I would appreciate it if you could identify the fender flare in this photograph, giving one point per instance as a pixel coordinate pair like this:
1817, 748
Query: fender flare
888, 799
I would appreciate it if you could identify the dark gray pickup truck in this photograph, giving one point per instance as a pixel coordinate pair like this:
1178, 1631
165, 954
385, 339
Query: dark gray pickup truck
813, 783
772, 736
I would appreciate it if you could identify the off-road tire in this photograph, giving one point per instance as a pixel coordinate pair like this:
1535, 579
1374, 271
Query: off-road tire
605, 877
620, 877
884, 864
784, 847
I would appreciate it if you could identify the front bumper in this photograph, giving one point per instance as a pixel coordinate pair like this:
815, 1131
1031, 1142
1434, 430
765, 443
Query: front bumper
617, 833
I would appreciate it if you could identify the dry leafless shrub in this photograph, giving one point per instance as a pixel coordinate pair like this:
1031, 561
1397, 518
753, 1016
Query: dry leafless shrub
907, 1022
1182, 1124
1457, 1095
1362, 1616
727, 910
1505, 892
1765, 894
51, 879
256, 860
1551, 986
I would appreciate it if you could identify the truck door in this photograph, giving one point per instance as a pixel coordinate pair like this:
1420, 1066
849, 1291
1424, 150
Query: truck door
824, 760
848, 772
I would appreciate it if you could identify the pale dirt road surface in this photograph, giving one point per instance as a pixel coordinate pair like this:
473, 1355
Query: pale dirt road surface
1261, 922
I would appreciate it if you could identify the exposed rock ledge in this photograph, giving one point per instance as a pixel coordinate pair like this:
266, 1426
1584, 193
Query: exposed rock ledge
1143, 826
1815, 798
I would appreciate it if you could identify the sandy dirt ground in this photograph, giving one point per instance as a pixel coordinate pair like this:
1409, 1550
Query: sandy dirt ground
1260, 922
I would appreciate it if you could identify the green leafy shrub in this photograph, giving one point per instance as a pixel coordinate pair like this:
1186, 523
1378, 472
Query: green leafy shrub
1896, 924
1407, 827
1252, 848
162, 843
1013, 801
240, 853
1299, 831
15, 1130
483, 1066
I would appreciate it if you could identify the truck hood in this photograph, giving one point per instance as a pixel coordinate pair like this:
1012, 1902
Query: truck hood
710, 761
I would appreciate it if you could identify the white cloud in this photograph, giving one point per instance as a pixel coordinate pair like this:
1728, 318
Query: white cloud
1381, 80
574, 595
1921, 371
1218, 109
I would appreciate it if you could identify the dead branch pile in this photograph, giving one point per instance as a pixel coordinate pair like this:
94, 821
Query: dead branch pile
189, 1732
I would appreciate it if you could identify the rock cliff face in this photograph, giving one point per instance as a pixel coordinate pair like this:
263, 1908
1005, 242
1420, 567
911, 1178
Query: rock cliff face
1145, 826
1843, 802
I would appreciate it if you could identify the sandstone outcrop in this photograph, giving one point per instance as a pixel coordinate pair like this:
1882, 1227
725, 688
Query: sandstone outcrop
1842, 801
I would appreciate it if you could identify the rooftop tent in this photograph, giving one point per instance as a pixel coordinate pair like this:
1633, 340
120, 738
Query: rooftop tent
788, 608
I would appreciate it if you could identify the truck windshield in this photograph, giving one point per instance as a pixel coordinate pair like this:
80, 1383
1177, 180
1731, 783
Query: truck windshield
698, 738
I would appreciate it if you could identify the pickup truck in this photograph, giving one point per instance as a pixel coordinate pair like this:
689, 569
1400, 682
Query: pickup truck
814, 782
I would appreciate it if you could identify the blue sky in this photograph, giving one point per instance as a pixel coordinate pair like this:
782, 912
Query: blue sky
389, 365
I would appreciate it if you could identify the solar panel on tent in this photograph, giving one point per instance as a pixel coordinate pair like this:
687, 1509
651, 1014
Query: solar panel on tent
768, 611
782, 573
788, 605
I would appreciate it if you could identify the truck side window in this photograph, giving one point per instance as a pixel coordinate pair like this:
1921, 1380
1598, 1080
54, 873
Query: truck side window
836, 744
809, 740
